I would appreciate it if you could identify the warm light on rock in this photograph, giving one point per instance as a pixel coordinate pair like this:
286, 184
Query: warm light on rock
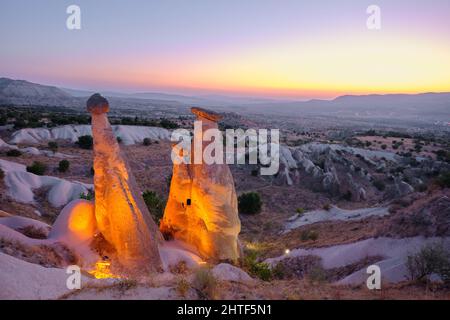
202, 205
102, 270
77, 221
122, 216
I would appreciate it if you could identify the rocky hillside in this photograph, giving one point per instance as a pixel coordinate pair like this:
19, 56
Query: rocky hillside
21, 92
355, 174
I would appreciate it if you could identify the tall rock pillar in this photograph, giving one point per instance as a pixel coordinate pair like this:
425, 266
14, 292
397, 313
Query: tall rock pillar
202, 206
121, 214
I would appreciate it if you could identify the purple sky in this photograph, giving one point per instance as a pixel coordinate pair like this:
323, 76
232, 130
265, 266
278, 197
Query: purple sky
253, 47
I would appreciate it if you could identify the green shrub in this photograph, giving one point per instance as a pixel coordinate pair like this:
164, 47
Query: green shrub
254, 172
347, 196
379, 185
87, 196
147, 141
154, 204
53, 146
326, 207
14, 153
119, 140
262, 271
309, 235
255, 268
250, 203
431, 259
85, 142
63, 165
443, 180
300, 211
37, 168
278, 271
383, 146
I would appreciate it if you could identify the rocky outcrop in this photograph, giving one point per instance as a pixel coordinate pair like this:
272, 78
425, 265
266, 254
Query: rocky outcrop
350, 172
122, 216
425, 214
202, 206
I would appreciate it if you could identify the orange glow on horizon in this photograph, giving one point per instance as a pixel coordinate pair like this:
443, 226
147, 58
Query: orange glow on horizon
379, 64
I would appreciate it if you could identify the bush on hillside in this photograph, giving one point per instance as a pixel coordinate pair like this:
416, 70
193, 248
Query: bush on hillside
147, 141
85, 142
431, 259
37, 168
63, 165
14, 153
443, 180
249, 203
53, 146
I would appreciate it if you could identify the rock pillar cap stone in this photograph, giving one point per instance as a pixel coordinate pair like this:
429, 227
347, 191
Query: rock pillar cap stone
207, 114
97, 104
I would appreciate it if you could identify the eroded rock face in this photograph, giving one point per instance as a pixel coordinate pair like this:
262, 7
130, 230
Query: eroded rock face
121, 214
202, 205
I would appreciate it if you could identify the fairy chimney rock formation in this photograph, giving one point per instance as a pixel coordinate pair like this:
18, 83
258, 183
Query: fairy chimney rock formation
202, 206
122, 216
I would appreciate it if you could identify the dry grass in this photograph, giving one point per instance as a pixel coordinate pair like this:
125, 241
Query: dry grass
314, 290
33, 232
54, 256
205, 283
182, 287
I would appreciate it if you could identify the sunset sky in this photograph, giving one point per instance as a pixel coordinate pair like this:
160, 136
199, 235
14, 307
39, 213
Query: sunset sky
277, 48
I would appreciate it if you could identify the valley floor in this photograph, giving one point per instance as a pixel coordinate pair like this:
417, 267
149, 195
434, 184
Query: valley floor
293, 217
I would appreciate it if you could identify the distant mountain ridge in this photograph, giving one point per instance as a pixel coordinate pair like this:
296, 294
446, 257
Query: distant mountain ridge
423, 106
21, 92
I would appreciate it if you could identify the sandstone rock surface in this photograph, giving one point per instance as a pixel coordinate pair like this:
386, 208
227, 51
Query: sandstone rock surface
202, 206
121, 214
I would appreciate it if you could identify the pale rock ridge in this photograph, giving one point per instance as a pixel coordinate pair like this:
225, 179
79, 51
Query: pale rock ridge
129, 134
33, 151
22, 184
393, 255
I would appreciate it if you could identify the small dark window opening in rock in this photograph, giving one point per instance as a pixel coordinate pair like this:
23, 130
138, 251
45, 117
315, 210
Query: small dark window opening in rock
188, 202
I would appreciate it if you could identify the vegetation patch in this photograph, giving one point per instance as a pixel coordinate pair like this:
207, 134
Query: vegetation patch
249, 203
38, 168
85, 142
431, 259
154, 204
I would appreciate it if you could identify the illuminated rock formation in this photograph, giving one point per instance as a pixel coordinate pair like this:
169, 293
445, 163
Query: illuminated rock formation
202, 206
76, 227
122, 216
